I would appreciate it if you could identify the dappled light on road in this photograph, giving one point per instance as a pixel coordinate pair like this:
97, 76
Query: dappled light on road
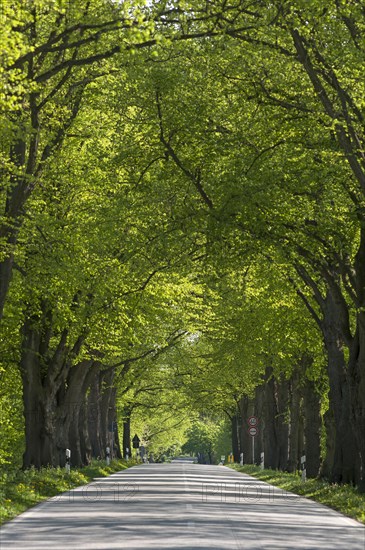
181, 505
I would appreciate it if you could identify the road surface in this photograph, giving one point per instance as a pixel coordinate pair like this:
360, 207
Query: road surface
181, 505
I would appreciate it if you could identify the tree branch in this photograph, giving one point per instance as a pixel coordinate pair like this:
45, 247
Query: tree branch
195, 178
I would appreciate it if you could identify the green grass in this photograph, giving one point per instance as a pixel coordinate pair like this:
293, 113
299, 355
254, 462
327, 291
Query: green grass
343, 498
20, 490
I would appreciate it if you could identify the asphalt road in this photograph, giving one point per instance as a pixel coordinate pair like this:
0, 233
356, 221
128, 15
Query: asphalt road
181, 505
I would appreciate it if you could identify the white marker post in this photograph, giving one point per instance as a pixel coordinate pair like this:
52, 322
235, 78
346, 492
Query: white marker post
262, 464
108, 455
303, 461
127, 454
241, 459
68, 460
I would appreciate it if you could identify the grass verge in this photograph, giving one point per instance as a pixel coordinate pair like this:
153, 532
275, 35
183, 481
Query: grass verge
343, 498
20, 490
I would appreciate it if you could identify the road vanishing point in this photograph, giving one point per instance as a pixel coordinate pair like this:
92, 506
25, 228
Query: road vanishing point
181, 505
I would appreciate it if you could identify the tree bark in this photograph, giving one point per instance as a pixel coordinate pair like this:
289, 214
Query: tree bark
293, 461
85, 443
357, 396
113, 421
127, 432
94, 416
79, 380
33, 396
270, 414
282, 425
329, 424
39, 392
312, 430
12, 216
118, 449
234, 437
50, 400
345, 467
107, 410
356, 366
259, 413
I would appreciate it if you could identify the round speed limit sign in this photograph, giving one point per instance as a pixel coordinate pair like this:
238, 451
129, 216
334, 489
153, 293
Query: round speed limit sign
252, 421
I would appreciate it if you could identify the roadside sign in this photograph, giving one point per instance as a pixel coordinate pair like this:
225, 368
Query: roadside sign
252, 431
253, 421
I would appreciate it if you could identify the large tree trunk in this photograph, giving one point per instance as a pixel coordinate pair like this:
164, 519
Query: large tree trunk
49, 401
259, 413
113, 422
312, 430
107, 410
94, 416
33, 396
127, 432
345, 467
357, 393
6, 270
329, 424
79, 380
282, 425
356, 367
84, 425
85, 443
39, 391
118, 449
274, 422
294, 438
270, 414
234, 437
12, 216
